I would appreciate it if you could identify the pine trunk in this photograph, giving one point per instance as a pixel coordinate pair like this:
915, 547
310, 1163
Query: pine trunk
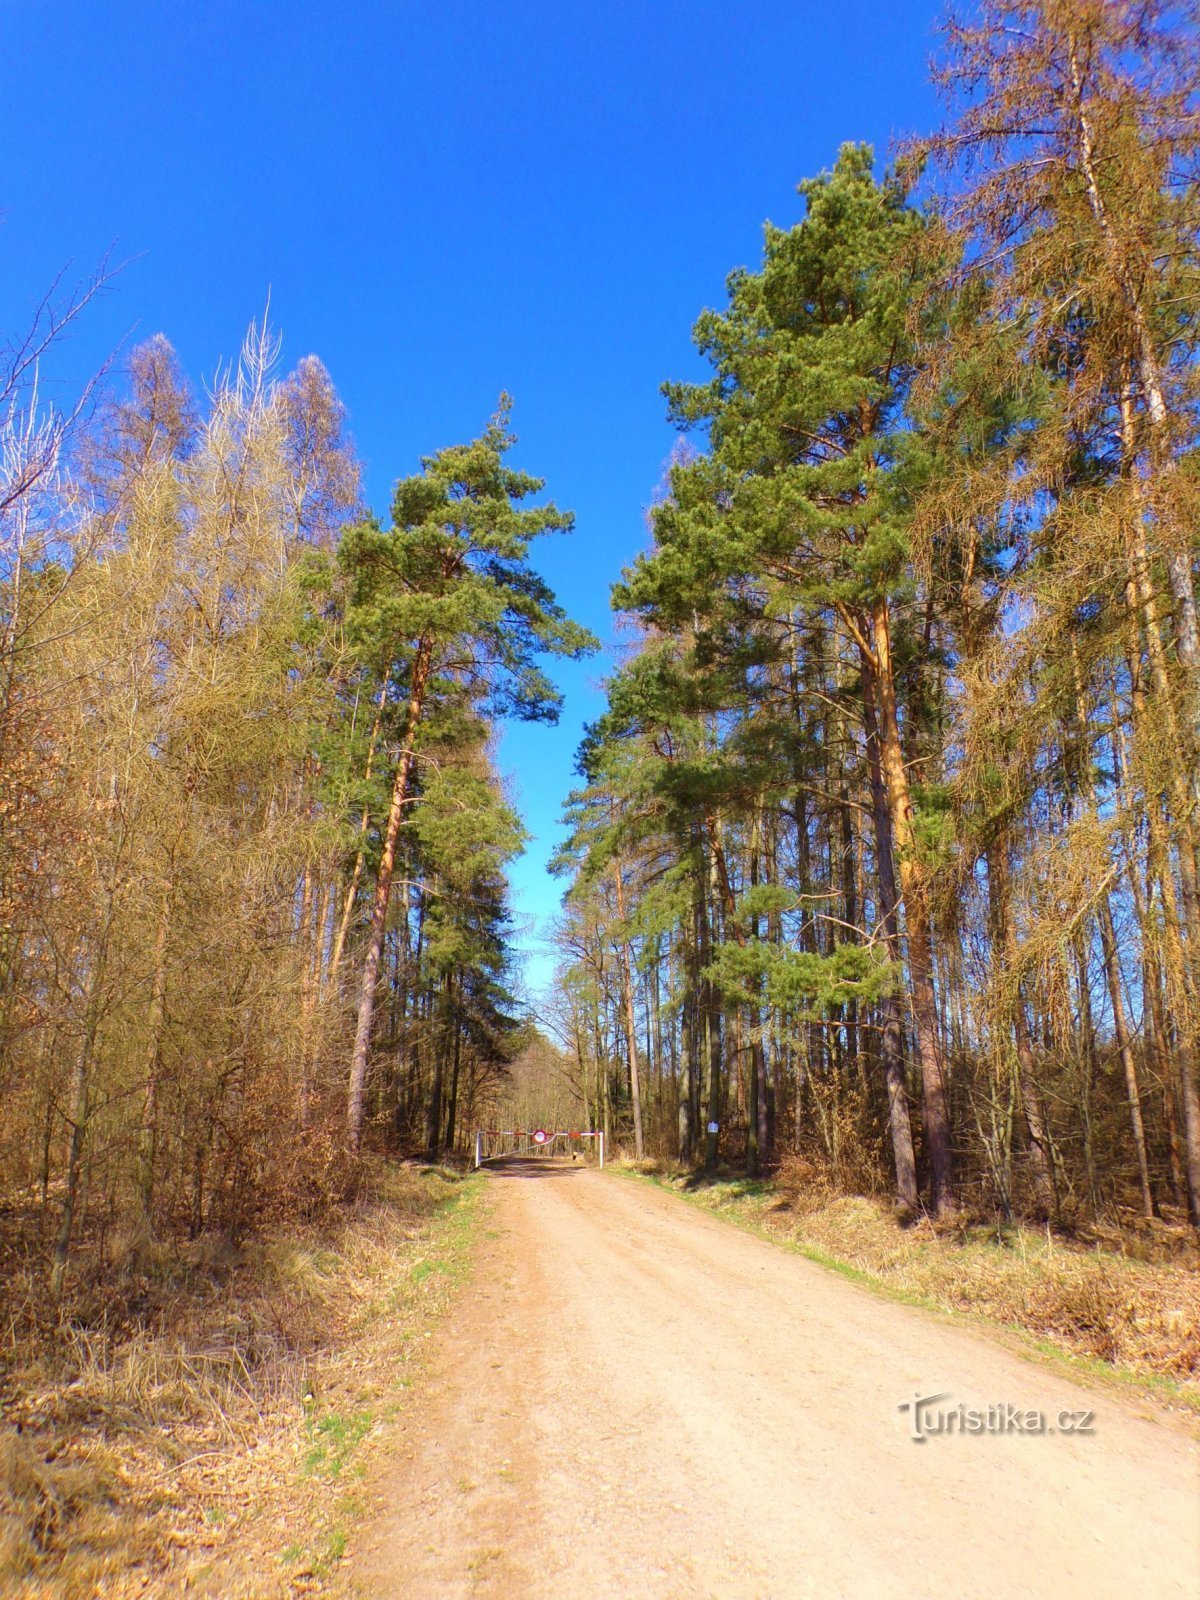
892, 1023
922, 996
383, 891
635, 1081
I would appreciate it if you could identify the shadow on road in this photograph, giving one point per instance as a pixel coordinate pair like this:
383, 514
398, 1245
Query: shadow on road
536, 1166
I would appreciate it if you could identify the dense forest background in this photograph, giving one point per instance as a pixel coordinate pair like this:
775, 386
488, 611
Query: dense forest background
885, 851
884, 855
252, 819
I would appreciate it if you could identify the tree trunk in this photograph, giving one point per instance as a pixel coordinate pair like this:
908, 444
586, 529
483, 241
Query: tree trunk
154, 1028
452, 1103
756, 1109
712, 1018
1040, 1164
1112, 972
1181, 924
635, 1085
339, 942
1004, 958
304, 935
758, 1149
892, 1033
383, 890
78, 1116
916, 922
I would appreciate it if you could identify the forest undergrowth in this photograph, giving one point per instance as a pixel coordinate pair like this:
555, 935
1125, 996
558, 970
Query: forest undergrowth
195, 1421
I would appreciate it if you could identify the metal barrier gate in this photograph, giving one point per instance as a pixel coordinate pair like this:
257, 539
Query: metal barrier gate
493, 1144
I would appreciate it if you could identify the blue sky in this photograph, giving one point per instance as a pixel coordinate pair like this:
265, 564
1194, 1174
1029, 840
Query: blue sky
445, 200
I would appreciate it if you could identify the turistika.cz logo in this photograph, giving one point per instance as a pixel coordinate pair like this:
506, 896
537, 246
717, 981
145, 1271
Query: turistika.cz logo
930, 1417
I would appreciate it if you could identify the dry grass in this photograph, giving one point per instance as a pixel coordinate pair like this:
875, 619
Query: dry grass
187, 1425
1130, 1299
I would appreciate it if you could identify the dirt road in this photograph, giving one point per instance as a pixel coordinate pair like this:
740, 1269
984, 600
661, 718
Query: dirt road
637, 1399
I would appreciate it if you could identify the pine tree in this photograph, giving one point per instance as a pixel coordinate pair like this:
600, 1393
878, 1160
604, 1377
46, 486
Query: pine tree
445, 596
802, 509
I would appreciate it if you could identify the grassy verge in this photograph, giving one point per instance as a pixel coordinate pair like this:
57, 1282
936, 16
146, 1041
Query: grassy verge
1102, 1313
217, 1446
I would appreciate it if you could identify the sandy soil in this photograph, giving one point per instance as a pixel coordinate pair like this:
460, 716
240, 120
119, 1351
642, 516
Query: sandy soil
638, 1399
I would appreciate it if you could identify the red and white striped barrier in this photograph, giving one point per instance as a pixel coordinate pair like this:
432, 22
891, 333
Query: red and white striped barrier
539, 1141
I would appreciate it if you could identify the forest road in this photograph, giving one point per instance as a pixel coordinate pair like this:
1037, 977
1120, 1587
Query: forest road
637, 1399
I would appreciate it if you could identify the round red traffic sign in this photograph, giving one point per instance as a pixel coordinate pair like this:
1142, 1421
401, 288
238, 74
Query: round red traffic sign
539, 1136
